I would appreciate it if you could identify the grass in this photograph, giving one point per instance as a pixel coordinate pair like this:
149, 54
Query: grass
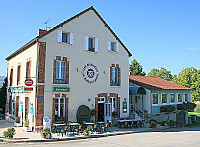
194, 113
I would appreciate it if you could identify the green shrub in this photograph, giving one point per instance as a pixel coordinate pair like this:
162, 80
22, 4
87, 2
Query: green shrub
186, 106
171, 123
46, 133
9, 133
167, 108
163, 123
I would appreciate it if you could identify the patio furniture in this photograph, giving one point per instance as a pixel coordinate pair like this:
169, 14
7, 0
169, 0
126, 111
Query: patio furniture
105, 128
74, 127
53, 129
100, 126
133, 124
60, 130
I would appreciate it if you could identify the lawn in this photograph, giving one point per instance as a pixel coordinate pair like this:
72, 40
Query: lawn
194, 113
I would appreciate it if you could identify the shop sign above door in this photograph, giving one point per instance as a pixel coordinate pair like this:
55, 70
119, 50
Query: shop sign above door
90, 73
61, 89
17, 90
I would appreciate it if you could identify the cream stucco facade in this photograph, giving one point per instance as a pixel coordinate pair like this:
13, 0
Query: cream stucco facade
81, 92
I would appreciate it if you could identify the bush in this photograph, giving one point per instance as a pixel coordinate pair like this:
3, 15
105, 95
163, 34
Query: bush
114, 114
186, 106
153, 123
171, 123
9, 133
46, 133
163, 123
26, 123
168, 108
88, 130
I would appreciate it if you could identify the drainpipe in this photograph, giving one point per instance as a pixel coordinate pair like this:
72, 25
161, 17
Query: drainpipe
37, 41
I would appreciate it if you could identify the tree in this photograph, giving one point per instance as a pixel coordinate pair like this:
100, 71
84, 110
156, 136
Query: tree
3, 95
136, 68
162, 73
190, 77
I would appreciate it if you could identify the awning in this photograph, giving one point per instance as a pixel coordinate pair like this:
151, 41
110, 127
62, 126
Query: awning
137, 90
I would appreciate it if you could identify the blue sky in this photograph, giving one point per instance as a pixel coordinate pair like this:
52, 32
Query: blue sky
159, 33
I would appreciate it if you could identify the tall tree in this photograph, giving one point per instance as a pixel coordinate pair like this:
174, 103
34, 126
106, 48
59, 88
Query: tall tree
136, 68
3, 95
190, 77
162, 73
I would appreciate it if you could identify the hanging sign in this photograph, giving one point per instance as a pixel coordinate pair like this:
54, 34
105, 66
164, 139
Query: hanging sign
90, 73
28, 82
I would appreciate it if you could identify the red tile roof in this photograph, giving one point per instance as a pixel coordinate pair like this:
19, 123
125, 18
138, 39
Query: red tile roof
156, 83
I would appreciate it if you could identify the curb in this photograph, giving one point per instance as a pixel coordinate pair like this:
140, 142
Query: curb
69, 139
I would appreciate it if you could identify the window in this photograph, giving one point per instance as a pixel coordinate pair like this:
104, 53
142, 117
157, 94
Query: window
115, 81
179, 97
66, 38
186, 97
59, 107
28, 69
155, 98
101, 100
164, 98
91, 45
112, 46
172, 98
60, 72
113, 104
11, 77
18, 74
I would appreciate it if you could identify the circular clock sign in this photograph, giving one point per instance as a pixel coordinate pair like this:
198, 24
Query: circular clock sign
90, 73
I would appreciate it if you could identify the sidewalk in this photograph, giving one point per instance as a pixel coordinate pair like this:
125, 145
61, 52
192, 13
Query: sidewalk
22, 136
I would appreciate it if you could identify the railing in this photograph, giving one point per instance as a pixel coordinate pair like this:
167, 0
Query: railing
139, 111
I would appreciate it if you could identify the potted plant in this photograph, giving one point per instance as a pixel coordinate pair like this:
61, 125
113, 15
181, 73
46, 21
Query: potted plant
9, 133
153, 123
88, 131
25, 128
93, 115
46, 134
114, 118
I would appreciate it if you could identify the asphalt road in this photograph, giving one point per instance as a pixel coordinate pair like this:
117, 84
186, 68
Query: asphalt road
179, 138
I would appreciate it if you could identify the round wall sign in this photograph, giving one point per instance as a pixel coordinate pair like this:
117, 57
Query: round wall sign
90, 73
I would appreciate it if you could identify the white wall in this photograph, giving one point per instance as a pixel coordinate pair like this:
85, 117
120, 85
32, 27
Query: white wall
80, 91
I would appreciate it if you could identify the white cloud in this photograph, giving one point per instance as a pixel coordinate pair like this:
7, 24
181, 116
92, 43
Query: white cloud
191, 48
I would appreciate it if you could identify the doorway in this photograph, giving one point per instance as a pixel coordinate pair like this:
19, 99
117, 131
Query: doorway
101, 112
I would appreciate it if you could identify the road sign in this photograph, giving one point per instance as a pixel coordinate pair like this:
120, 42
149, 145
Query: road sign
28, 82
28, 88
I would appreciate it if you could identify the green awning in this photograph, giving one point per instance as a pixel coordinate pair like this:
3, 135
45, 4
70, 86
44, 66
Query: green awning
137, 90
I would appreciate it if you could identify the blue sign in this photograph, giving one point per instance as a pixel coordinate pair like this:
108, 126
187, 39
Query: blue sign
31, 110
21, 108
40, 97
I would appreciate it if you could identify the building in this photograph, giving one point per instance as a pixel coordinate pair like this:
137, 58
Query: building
75, 67
149, 94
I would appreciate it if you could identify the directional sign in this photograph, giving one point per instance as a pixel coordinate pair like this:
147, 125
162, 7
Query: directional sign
28, 82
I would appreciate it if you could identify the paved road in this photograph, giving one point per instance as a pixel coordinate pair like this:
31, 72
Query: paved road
180, 138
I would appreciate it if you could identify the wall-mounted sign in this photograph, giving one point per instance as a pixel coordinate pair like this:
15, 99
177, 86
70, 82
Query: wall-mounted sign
124, 106
40, 97
61, 89
28, 88
90, 73
28, 82
17, 90
31, 110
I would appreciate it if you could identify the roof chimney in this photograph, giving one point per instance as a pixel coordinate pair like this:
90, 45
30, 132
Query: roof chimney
41, 32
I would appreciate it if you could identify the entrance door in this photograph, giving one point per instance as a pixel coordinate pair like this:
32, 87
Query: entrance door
107, 112
101, 112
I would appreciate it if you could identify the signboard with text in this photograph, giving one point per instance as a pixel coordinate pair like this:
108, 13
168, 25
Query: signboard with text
61, 89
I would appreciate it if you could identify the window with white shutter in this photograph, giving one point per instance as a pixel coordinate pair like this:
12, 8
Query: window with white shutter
91, 44
112, 46
65, 37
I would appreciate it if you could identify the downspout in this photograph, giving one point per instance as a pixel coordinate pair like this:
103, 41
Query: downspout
37, 41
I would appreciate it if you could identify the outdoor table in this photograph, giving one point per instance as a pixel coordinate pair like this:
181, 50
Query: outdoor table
74, 127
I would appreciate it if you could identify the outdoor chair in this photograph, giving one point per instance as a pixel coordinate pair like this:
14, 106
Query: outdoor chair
60, 130
66, 129
105, 128
53, 129
79, 130
133, 124
142, 123
138, 124
94, 128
